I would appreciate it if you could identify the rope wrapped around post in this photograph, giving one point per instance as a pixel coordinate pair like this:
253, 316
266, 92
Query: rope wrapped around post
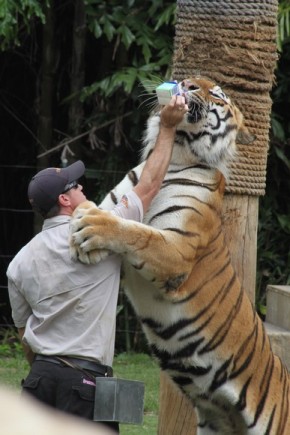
233, 43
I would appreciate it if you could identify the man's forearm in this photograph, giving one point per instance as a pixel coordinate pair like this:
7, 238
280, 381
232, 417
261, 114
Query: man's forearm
158, 162
156, 166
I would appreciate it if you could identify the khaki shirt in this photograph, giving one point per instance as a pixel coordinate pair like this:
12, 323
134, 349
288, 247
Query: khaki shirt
67, 308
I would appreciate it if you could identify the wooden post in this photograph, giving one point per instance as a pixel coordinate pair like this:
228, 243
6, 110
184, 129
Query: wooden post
176, 415
240, 212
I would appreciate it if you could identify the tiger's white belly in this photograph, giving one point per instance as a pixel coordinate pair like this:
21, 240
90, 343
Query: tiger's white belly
148, 304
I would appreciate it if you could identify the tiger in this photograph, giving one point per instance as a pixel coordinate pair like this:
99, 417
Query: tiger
200, 324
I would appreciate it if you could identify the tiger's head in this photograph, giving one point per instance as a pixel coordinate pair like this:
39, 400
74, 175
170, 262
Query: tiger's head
210, 130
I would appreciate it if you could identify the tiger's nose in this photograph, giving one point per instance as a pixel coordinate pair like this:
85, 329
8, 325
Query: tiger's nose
189, 85
186, 84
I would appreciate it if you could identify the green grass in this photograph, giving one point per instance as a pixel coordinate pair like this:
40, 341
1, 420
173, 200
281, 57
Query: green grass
142, 368
13, 368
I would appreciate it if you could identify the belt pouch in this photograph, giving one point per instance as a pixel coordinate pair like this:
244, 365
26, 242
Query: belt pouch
119, 400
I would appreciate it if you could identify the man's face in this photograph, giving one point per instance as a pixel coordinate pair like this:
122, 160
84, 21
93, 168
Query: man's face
76, 196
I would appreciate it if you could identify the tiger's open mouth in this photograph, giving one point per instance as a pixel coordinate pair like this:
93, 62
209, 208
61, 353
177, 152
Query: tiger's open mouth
194, 112
197, 110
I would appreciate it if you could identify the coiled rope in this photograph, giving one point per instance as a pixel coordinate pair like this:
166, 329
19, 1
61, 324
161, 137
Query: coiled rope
233, 42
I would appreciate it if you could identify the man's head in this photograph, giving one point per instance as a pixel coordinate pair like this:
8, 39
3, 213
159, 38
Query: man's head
53, 188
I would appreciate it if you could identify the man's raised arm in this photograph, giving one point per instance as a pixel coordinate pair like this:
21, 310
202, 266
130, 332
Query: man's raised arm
158, 161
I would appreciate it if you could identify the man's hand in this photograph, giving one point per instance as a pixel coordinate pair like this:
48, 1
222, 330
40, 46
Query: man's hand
172, 114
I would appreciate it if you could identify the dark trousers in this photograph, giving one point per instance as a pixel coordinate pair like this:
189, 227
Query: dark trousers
64, 388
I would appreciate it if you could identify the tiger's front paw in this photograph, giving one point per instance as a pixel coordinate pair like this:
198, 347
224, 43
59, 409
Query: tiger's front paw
92, 257
82, 210
89, 240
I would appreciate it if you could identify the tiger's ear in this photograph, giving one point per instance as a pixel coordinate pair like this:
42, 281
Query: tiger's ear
244, 137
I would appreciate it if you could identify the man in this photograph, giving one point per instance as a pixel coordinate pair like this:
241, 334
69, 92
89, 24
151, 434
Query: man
65, 311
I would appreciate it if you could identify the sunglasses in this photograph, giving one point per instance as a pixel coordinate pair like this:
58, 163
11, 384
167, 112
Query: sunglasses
69, 186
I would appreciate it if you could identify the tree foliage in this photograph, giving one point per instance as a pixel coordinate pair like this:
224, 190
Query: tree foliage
128, 47
16, 18
283, 30
138, 27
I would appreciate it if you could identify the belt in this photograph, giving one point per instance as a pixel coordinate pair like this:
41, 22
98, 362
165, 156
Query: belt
77, 363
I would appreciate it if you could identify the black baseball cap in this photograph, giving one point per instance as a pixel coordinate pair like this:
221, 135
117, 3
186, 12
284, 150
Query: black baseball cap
45, 187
